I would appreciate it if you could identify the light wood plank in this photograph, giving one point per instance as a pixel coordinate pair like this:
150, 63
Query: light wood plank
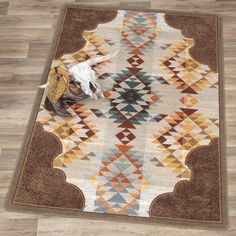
22, 66
17, 82
14, 50
21, 35
68, 226
16, 227
28, 21
4, 7
38, 50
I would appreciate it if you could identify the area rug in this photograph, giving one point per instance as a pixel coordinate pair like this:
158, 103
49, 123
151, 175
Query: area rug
151, 150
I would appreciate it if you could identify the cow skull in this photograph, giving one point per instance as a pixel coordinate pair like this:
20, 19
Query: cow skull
85, 77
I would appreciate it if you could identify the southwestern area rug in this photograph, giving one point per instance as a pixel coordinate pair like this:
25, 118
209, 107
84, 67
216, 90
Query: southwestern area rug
151, 150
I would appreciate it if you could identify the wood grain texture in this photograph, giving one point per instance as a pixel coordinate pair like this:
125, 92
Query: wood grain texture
26, 30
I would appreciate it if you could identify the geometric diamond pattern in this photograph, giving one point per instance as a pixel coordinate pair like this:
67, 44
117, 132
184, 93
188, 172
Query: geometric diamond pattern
121, 173
131, 97
186, 74
124, 150
75, 133
125, 136
188, 100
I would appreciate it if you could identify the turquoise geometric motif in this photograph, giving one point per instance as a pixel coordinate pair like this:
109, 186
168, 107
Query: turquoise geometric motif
131, 97
120, 180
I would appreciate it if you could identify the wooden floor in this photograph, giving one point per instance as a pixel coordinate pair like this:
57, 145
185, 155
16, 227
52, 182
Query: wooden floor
26, 29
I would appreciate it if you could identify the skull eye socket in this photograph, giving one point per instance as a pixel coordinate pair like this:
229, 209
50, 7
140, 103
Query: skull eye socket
92, 87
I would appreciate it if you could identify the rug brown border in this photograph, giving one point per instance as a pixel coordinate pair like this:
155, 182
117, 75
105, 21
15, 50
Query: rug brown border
70, 213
